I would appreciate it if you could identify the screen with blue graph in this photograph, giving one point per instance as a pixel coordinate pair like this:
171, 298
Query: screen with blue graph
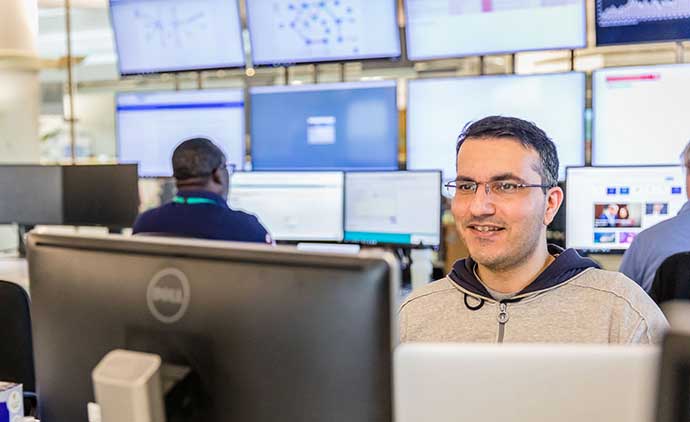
347, 126
306, 31
153, 36
454, 28
635, 21
151, 124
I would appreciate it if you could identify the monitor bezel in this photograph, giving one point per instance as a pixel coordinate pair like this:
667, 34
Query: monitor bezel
435, 247
583, 44
371, 58
200, 68
605, 251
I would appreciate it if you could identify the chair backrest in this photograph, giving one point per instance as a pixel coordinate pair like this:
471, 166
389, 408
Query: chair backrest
672, 279
16, 346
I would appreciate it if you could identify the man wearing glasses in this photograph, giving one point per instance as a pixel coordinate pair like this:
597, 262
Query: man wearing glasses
514, 287
200, 208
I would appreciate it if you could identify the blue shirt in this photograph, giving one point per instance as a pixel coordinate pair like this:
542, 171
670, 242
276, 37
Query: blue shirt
652, 246
204, 215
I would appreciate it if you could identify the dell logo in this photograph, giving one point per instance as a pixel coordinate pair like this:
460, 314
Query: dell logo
168, 295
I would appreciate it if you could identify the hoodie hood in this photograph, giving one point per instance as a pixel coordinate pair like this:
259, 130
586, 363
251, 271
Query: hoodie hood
567, 265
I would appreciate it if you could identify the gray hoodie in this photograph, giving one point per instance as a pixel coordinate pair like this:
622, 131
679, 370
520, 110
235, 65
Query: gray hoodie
572, 301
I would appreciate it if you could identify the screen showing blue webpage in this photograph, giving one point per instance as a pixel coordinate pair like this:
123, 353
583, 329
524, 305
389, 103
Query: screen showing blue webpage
290, 31
151, 124
346, 126
292, 205
393, 207
640, 115
634, 21
608, 206
438, 109
451, 28
176, 35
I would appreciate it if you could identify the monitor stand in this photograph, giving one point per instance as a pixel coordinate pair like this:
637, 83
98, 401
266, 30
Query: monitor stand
22, 230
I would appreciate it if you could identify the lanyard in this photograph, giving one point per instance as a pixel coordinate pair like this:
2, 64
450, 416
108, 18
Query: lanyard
192, 200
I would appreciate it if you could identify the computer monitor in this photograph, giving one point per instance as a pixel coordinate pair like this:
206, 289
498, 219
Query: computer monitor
532, 382
288, 31
340, 126
271, 333
82, 195
103, 195
639, 114
635, 21
608, 206
293, 206
442, 28
31, 194
153, 36
151, 124
400, 208
438, 109
673, 396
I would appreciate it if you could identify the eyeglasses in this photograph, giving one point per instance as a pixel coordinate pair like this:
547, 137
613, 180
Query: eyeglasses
499, 188
230, 167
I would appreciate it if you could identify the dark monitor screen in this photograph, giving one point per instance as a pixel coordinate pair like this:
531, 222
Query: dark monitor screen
30, 194
176, 35
104, 195
271, 332
345, 126
636, 21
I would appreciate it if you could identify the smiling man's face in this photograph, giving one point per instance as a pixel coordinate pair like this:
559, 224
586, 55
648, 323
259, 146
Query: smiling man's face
500, 230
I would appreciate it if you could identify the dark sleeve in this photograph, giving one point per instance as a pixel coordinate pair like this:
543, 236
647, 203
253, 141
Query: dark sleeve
657, 290
259, 232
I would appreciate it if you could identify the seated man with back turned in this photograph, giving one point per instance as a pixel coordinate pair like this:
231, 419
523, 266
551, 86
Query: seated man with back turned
200, 208
514, 287
653, 245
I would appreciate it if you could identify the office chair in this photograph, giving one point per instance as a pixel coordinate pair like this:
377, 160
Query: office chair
16, 346
672, 279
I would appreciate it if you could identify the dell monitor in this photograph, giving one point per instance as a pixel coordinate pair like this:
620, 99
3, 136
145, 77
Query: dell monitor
399, 208
269, 333
637, 21
81, 195
340, 126
292, 206
640, 114
608, 206
442, 28
284, 32
154, 36
151, 124
438, 109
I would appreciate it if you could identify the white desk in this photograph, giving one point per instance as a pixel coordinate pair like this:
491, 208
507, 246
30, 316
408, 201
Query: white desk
14, 269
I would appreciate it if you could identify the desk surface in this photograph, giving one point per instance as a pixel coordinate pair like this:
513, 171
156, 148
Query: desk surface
14, 269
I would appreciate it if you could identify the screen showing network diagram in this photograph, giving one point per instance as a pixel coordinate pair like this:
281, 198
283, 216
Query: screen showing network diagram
151, 124
299, 31
175, 35
347, 126
292, 206
402, 208
608, 206
453, 28
640, 114
438, 109
635, 21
